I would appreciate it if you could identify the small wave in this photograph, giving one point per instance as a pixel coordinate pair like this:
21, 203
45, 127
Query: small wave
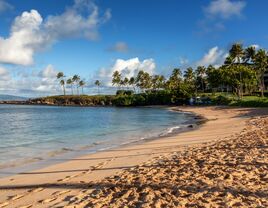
21, 162
58, 152
171, 130
94, 144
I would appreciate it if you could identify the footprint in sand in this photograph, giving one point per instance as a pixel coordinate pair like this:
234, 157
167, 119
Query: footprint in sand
44, 201
12, 198
64, 179
70, 177
36, 190
27, 206
3, 204
58, 193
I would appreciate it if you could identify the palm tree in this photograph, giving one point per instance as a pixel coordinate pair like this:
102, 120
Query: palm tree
61, 76
228, 61
121, 84
116, 78
82, 84
236, 56
97, 83
261, 64
189, 75
154, 81
201, 72
76, 80
161, 81
62, 83
125, 82
175, 79
132, 82
147, 80
70, 82
158, 82
190, 79
236, 53
143, 80
249, 54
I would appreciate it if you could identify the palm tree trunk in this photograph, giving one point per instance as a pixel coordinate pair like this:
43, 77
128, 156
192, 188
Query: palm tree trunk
77, 90
63, 87
262, 86
72, 89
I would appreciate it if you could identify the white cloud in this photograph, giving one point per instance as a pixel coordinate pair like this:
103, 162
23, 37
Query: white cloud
214, 56
4, 6
48, 81
30, 84
30, 33
217, 12
24, 40
128, 68
48, 72
73, 24
119, 47
225, 8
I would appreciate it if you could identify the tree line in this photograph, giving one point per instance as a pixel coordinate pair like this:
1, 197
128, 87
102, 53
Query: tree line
74, 81
242, 72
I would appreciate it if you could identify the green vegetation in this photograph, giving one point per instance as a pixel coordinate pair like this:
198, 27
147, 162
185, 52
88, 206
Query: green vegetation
128, 98
240, 81
250, 101
61, 76
75, 100
97, 83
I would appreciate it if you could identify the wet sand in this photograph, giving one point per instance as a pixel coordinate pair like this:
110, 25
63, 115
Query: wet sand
222, 163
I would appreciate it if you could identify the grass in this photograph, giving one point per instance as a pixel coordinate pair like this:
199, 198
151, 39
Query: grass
250, 101
223, 98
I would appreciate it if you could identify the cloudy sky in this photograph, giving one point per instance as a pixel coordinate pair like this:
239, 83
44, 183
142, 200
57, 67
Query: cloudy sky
93, 38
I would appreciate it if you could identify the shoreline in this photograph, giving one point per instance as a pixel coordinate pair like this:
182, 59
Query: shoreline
23, 189
43, 161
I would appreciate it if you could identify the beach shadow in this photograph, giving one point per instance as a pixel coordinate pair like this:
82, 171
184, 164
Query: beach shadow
199, 187
83, 170
245, 112
105, 158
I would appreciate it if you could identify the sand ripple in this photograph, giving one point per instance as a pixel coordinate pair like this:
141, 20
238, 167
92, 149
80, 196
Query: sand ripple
227, 173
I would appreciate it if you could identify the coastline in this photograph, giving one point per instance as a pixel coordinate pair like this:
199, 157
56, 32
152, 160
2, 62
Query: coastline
55, 156
53, 183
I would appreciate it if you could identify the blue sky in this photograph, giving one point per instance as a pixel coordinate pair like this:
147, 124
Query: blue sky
94, 38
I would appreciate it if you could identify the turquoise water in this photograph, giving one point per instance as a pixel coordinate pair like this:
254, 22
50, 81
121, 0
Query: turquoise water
32, 133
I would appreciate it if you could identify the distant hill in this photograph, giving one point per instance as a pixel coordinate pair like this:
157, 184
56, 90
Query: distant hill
12, 98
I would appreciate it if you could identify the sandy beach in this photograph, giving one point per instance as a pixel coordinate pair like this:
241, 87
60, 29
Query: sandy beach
223, 163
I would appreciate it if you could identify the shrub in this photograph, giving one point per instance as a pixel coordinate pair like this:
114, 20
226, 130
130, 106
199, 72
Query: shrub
124, 92
221, 100
124, 100
251, 101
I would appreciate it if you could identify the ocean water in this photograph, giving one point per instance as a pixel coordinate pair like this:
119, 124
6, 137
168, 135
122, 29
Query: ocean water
35, 133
